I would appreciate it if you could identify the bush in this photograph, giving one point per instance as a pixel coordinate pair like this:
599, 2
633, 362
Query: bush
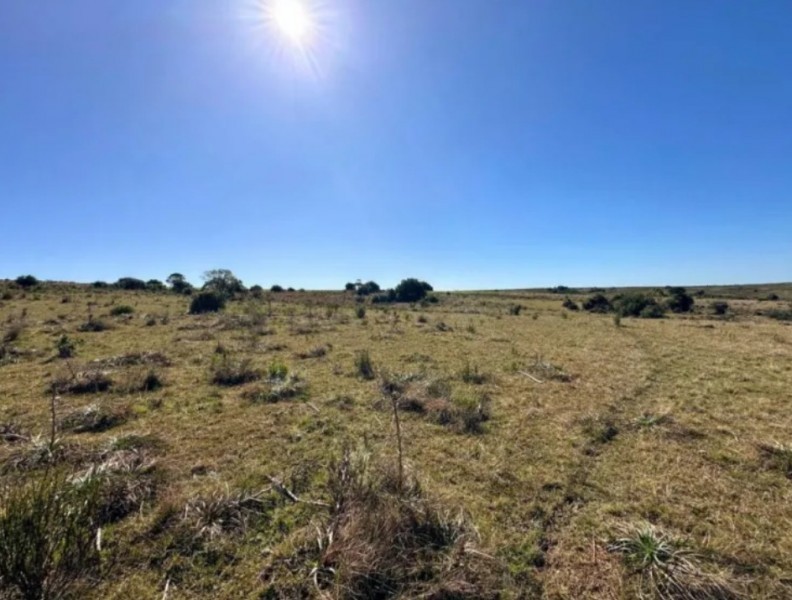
47, 537
637, 305
515, 309
412, 290
680, 301
570, 304
227, 371
206, 302
597, 304
720, 308
93, 325
121, 309
65, 347
155, 285
100, 284
276, 288
26, 281
349, 287
360, 312
385, 298
130, 283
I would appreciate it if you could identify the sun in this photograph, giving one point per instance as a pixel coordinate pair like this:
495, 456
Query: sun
292, 19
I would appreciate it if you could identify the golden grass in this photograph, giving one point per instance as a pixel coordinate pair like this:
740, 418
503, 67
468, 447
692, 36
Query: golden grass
560, 468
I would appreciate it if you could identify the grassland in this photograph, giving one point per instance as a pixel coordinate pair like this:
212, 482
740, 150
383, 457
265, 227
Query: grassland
257, 459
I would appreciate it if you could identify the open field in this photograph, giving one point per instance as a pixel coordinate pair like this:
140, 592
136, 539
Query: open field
253, 453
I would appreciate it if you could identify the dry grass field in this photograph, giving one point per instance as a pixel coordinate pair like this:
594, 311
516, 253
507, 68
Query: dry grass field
254, 453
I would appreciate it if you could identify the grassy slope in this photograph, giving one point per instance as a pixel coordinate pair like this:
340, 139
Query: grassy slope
544, 487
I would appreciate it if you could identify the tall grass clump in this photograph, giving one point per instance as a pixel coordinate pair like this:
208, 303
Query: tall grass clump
47, 537
667, 570
364, 367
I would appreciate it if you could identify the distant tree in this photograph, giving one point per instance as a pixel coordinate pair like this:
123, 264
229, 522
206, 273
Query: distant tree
179, 283
370, 287
155, 285
100, 284
349, 287
26, 281
412, 290
222, 281
130, 283
276, 288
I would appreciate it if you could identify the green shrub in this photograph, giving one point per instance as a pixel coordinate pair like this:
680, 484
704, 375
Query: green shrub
637, 305
680, 301
93, 325
597, 304
155, 285
65, 347
515, 309
206, 302
277, 371
47, 537
121, 309
276, 289
370, 287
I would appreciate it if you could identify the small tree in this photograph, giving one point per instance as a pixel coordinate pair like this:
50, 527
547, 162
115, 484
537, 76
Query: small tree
276, 288
179, 283
130, 283
412, 290
349, 287
222, 281
370, 287
155, 285
26, 281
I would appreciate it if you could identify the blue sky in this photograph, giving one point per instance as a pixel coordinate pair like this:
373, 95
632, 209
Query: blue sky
475, 144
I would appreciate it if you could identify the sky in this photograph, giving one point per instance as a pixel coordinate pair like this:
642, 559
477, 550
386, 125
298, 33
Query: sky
476, 144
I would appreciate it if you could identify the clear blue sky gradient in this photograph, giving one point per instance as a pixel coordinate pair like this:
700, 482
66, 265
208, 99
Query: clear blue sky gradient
475, 144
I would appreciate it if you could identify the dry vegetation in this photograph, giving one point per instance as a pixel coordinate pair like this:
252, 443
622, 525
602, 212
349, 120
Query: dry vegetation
543, 452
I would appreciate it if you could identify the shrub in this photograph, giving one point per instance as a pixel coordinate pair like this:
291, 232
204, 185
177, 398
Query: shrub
637, 305
780, 314
412, 290
95, 418
470, 374
130, 283
277, 371
227, 371
85, 382
349, 287
276, 288
384, 298
26, 281
720, 308
100, 284
360, 312
65, 347
93, 325
515, 309
121, 309
570, 304
597, 303
257, 291
680, 301
363, 365
206, 302
47, 537
155, 285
